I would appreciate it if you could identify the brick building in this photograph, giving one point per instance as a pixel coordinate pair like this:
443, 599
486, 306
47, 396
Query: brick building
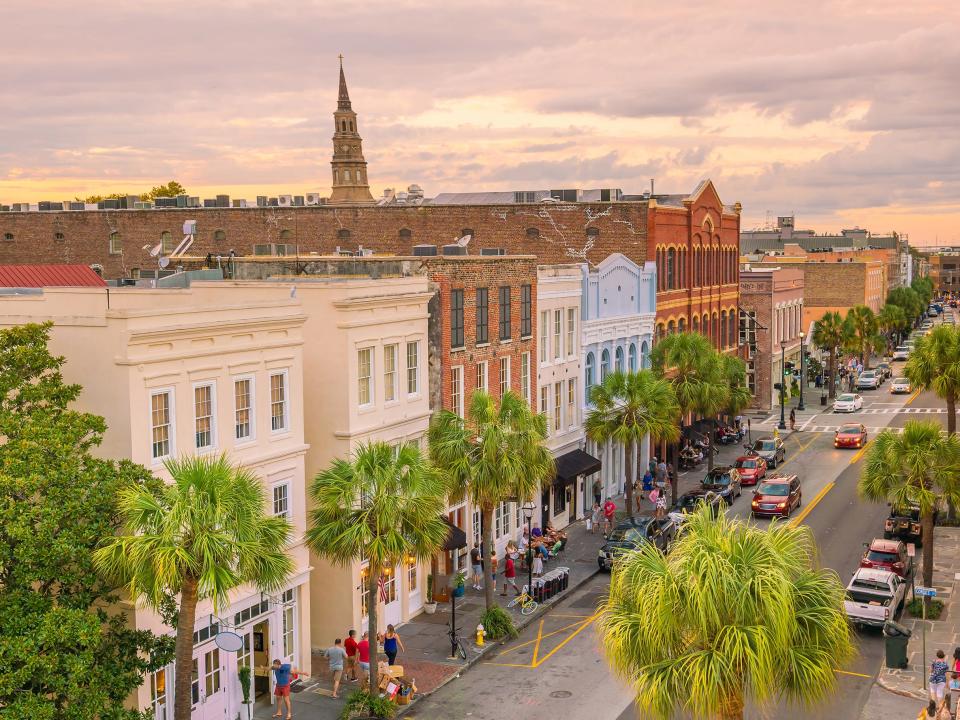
945, 271
837, 287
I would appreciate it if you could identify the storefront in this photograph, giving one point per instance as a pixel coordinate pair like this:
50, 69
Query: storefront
564, 500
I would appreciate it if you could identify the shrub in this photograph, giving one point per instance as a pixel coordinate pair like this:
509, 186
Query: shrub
362, 704
498, 624
915, 608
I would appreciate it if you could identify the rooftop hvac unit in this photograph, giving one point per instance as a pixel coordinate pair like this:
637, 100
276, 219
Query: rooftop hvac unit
272, 202
313, 199
109, 204
493, 251
223, 201
261, 250
44, 205
91, 206
285, 200
182, 200
454, 250
298, 200
261, 200
78, 206
210, 202
424, 250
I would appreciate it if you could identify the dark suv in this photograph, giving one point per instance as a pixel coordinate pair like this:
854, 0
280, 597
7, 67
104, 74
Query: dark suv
630, 535
904, 524
725, 481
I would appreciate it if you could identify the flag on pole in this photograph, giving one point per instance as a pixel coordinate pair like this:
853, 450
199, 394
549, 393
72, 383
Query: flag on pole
383, 590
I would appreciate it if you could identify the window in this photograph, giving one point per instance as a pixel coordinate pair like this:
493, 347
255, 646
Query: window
671, 279
116, 246
466, 231
571, 331
477, 527
501, 519
632, 358
557, 406
195, 680
571, 402
483, 314
211, 676
364, 376
166, 242
288, 632
158, 692
161, 422
588, 376
504, 375
412, 578
8, 236
456, 390
618, 359
505, 330
525, 376
557, 332
559, 500
204, 416
526, 310
604, 365
482, 376
281, 500
544, 335
644, 355
406, 234
545, 404
219, 235
533, 233
456, 318
278, 401
389, 373
413, 369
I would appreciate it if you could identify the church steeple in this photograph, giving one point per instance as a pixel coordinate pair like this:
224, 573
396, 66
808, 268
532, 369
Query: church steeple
350, 186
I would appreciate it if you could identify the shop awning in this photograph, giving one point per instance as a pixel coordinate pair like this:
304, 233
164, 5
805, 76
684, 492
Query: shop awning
456, 538
573, 464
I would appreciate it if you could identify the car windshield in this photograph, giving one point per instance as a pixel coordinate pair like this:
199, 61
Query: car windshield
777, 489
912, 513
747, 464
717, 478
901, 348
882, 557
764, 446
850, 430
867, 374
845, 398
688, 502
625, 534
901, 381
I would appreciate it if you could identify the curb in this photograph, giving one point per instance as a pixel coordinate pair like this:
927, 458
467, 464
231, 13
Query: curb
912, 694
526, 620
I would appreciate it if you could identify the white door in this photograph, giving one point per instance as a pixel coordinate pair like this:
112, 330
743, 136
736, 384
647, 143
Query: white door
391, 607
208, 687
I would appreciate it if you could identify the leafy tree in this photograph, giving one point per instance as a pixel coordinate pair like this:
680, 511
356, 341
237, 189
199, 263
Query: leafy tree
734, 373
62, 657
924, 289
892, 320
733, 614
628, 407
171, 189
493, 454
863, 329
831, 333
918, 467
934, 365
909, 301
383, 505
201, 536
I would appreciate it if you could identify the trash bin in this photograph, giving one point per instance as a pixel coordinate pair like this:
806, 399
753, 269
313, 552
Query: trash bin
896, 637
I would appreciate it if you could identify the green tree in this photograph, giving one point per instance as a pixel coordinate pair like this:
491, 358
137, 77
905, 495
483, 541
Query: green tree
199, 537
734, 373
863, 329
919, 466
934, 365
909, 301
383, 505
628, 407
924, 289
495, 453
830, 333
892, 320
733, 614
62, 657
171, 189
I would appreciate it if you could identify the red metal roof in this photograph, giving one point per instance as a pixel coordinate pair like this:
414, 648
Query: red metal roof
37, 276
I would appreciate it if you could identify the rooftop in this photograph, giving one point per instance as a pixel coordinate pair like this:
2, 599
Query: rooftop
38, 276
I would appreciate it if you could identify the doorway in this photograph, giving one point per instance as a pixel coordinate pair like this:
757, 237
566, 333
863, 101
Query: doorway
391, 606
571, 502
208, 695
257, 639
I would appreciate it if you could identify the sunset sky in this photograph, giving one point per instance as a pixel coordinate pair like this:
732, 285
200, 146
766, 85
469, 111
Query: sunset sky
844, 113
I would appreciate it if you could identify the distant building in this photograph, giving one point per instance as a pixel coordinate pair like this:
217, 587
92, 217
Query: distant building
944, 269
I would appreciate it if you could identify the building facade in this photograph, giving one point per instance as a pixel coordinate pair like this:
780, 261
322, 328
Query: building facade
837, 287
944, 270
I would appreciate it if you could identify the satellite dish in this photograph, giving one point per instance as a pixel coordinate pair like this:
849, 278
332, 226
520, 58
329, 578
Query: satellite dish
228, 641
164, 261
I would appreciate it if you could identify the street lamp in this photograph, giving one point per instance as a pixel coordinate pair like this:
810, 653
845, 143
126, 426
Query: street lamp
528, 510
783, 374
803, 377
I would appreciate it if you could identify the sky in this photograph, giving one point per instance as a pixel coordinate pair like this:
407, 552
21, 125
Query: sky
843, 113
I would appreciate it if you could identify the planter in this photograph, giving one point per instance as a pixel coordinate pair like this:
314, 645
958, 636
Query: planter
430, 608
459, 590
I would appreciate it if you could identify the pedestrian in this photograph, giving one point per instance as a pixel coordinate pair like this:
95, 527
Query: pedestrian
654, 496
793, 419
652, 466
938, 677
954, 684
363, 653
596, 516
494, 565
661, 477
661, 507
509, 576
597, 491
609, 509
647, 481
537, 567
350, 646
282, 672
637, 495
391, 641
476, 562
336, 655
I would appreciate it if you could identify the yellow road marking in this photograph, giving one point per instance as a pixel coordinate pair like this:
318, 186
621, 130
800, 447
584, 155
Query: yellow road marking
565, 615
806, 511
536, 648
539, 637
912, 397
571, 636
799, 450
859, 453
538, 661
855, 674
513, 665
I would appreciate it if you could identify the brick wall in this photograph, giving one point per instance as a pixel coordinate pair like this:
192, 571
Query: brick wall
832, 286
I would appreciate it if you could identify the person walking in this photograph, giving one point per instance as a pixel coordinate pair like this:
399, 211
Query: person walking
391, 641
597, 491
537, 566
938, 677
509, 576
336, 656
793, 420
363, 653
661, 476
652, 466
596, 515
609, 509
350, 646
282, 673
494, 565
476, 562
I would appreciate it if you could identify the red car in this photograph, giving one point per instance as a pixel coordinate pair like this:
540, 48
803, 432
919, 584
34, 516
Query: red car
753, 469
888, 555
851, 435
777, 495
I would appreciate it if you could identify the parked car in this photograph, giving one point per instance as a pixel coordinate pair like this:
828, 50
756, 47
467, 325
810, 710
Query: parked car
770, 449
850, 435
904, 524
777, 495
874, 596
868, 380
689, 502
723, 480
848, 402
630, 535
752, 469
883, 369
900, 385
888, 555
901, 352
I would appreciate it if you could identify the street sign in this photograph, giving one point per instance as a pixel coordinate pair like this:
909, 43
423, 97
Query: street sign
911, 550
924, 591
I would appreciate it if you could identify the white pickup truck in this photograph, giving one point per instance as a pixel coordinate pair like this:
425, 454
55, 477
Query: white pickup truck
874, 596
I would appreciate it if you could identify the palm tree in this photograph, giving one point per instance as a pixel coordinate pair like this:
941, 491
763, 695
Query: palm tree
495, 453
934, 365
628, 407
201, 536
734, 372
892, 320
734, 614
863, 328
383, 504
830, 333
917, 467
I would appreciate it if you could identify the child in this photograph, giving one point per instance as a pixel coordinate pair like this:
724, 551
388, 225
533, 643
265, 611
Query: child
537, 565
597, 513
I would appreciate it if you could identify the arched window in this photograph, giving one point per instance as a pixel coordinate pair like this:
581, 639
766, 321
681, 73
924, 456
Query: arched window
618, 359
343, 125
682, 272
351, 126
696, 324
705, 325
58, 236
660, 331
732, 328
588, 379
671, 269
682, 325
671, 327
604, 365
533, 233
166, 242
592, 233
346, 176
286, 235
405, 234
632, 358
644, 355
8, 236
343, 234
723, 329
715, 331
116, 246
219, 235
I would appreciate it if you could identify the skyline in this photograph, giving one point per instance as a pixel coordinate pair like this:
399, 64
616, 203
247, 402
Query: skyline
844, 116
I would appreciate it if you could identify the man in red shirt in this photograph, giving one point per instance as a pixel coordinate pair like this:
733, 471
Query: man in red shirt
509, 575
363, 652
350, 645
609, 509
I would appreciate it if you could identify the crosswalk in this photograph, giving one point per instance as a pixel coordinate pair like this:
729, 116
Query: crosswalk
774, 419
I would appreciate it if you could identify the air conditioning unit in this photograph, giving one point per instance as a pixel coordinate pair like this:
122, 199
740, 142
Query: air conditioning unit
313, 198
285, 200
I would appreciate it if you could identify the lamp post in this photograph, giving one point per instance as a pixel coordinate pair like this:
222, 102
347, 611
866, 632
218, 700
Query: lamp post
803, 376
528, 510
783, 368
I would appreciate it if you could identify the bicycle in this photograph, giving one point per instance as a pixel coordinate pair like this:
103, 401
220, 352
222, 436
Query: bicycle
527, 604
456, 644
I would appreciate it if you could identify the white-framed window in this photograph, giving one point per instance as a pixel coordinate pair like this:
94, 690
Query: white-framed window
476, 527
279, 410
116, 245
204, 414
557, 405
364, 594
390, 373
244, 427
482, 376
571, 331
281, 500
161, 424
365, 376
557, 332
412, 577
501, 519
504, 375
525, 376
545, 404
289, 620
571, 402
544, 335
158, 692
456, 390
413, 368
